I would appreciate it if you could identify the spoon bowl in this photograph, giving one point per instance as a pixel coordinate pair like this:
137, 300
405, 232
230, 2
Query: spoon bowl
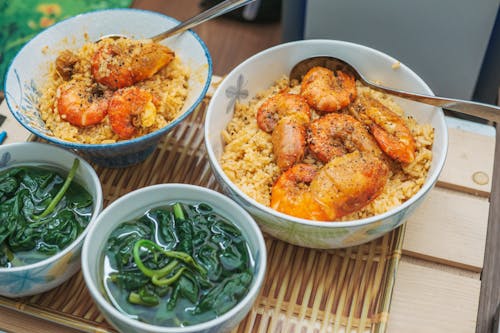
475, 109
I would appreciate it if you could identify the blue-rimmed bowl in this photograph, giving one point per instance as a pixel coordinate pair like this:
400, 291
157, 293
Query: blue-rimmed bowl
134, 205
51, 272
29, 71
260, 72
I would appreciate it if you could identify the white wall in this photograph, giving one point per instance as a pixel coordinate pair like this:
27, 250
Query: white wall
443, 41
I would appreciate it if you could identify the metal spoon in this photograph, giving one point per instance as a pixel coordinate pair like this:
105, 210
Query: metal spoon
215, 11
481, 110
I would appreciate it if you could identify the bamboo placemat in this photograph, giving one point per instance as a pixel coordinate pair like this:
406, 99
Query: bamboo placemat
305, 290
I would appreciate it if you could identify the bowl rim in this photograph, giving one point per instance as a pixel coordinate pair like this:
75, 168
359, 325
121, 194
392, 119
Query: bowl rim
252, 293
96, 211
122, 143
429, 181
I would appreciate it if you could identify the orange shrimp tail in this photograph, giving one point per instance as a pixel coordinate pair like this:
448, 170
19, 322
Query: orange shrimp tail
395, 149
328, 91
153, 58
290, 194
122, 64
391, 133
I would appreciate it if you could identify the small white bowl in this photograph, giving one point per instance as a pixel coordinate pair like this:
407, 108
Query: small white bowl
134, 205
260, 72
49, 273
29, 71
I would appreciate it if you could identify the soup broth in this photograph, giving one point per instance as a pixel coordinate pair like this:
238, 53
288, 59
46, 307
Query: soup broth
42, 211
177, 265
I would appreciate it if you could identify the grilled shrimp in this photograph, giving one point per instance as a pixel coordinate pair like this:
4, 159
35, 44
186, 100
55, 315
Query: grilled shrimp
291, 193
80, 104
388, 129
286, 116
129, 109
326, 90
336, 134
344, 185
348, 183
121, 63
280, 106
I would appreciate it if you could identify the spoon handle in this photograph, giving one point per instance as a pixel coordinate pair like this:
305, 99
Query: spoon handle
481, 110
217, 10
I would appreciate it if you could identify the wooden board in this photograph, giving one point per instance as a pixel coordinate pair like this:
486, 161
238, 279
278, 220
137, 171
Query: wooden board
431, 300
469, 166
449, 227
438, 282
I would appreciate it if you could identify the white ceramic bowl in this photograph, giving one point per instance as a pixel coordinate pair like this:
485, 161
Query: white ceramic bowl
134, 205
51, 272
260, 72
28, 72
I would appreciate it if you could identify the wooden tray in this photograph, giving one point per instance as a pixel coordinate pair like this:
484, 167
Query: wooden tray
305, 290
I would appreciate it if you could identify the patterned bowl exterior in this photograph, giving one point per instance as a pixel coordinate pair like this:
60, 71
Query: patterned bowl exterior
49, 273
261, 71
29, 70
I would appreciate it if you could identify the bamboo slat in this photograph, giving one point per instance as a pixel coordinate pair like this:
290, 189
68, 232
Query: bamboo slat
305, 290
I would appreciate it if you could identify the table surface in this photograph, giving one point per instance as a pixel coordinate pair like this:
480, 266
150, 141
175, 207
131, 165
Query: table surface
230, 42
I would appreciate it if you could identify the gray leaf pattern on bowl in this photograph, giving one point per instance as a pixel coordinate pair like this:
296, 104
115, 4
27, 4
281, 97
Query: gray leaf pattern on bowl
234, 93
28, 105
5, 159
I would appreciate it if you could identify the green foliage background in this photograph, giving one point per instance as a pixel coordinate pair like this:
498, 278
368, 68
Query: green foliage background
21, 20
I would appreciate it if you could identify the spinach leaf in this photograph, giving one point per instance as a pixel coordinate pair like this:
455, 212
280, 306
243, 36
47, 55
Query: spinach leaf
183, 262
40, 212
129, 280
226, 294
8, 185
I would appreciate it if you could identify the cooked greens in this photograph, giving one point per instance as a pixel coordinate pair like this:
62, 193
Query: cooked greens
41, 212
177, 265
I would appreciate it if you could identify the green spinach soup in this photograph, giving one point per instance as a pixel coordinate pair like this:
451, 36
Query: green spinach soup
41, 212
177, 265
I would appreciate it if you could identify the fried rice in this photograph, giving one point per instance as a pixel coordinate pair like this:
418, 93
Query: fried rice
249, 162
169, 87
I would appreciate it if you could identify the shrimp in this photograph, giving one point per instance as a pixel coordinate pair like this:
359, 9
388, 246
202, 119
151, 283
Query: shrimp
348, 183
80, 104
344, 185
286, 116
388, 129
289, 142
280, 106
336, 134
124, 62
326, 90
291, 194
129, 109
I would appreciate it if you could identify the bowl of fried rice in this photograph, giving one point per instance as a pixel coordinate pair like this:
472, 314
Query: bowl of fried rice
323, 161
110, 99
